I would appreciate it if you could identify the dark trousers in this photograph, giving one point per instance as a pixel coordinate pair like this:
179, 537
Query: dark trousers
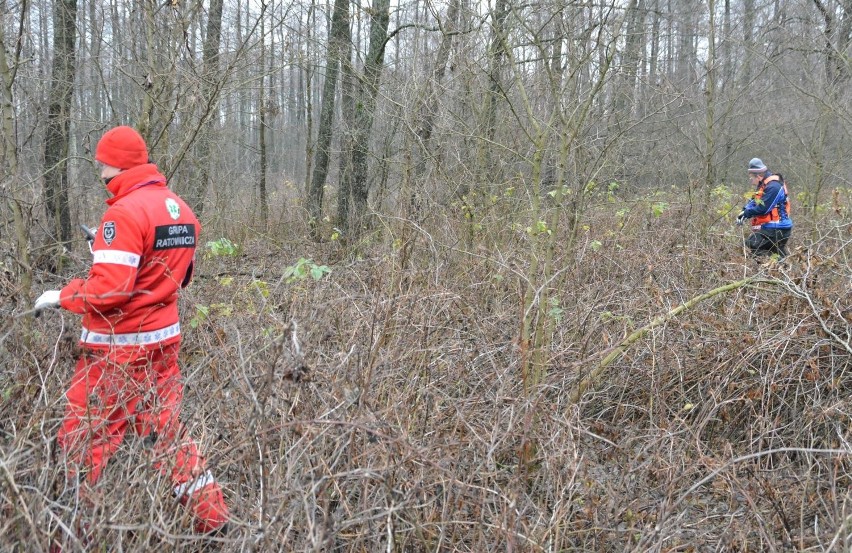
769, 241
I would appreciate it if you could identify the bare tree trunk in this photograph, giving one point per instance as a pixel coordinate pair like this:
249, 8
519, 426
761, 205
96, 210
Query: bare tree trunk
634, 41
57, 134
654, 56
196, 190
750, 34
307, 96
347, 129
728, 61
262, 110
710, 105
9, 158
365, 108
496, 61
337, 36
686, 49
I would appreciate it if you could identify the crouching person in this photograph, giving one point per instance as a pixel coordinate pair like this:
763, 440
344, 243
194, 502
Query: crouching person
769, 211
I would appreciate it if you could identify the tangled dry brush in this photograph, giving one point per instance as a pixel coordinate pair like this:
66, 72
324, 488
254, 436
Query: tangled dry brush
381, 408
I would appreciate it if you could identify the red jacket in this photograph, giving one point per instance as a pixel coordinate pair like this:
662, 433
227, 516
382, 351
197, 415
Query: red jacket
143, 253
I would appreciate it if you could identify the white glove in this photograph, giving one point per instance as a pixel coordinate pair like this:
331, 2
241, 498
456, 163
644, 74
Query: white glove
741, 218
46, 300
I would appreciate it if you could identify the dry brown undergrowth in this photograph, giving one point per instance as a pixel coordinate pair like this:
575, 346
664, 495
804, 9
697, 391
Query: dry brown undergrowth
381, 409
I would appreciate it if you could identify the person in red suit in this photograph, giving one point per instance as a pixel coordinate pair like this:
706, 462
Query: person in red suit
127, 377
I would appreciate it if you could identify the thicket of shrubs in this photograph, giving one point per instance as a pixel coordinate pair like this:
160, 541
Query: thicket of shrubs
381, 406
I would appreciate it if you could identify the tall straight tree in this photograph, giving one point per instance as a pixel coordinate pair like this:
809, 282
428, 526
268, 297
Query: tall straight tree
496, 66
262, 110
633, 43
9, 152
365, 107
347, 130
57, 135
710, 129
197, 188
336, 46
306, 95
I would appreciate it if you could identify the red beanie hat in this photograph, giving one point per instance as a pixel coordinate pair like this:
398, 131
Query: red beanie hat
122, 148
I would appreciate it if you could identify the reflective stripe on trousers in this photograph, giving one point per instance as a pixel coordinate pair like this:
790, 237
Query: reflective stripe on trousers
131, 339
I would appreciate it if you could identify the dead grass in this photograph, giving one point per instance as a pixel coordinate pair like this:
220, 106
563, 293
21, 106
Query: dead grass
381, 408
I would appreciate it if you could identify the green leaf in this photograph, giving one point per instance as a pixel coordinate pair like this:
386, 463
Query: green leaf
304, 268
222, 247
317, 272
262, 287
659, 208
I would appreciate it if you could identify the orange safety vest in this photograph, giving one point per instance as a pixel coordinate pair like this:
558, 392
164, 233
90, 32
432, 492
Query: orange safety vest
774, 214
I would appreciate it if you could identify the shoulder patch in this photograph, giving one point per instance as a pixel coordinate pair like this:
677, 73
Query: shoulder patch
109, 232
173, 208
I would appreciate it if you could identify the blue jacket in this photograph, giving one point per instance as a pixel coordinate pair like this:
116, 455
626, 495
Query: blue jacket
768, 196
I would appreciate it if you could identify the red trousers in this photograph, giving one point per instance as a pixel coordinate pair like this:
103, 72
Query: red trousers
133, 387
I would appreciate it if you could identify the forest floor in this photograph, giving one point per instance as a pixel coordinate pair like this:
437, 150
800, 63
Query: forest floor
383, 405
